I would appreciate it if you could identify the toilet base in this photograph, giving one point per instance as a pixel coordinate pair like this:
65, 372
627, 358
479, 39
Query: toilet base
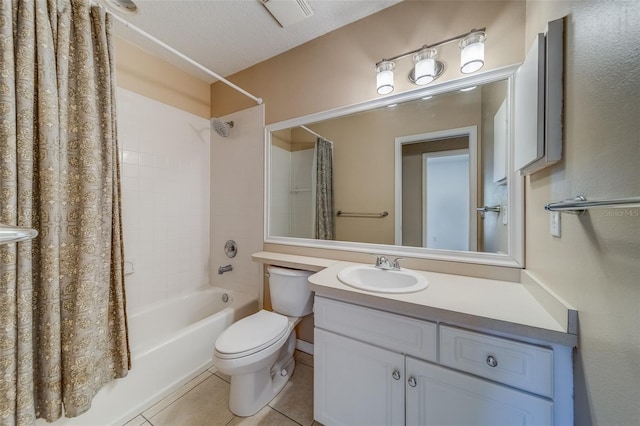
251, 392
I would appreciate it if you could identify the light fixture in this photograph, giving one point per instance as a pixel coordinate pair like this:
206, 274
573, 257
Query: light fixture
468, 89
472, 52
426, 67
384, 79
424, 71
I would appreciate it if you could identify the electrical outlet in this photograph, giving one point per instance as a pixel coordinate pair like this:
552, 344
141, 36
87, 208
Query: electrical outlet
554, 224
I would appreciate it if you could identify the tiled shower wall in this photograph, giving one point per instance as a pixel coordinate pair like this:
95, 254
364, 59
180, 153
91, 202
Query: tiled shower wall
165, 199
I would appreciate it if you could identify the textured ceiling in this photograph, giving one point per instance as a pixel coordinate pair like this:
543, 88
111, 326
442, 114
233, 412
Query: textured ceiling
227, 36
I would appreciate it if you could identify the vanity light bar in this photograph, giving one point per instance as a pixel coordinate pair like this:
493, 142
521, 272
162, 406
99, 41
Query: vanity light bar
426, 67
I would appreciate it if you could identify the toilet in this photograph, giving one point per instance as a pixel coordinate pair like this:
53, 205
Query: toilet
257, 351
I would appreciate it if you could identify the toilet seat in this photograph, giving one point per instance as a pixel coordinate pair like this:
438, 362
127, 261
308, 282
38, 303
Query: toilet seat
251, 334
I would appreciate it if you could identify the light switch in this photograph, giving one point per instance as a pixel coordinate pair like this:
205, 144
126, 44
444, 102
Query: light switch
554, 224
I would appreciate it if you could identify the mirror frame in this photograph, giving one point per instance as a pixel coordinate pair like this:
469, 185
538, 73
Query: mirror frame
515, 256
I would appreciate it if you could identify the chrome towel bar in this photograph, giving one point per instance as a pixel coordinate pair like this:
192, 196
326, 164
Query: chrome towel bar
13, 234
353, 214
483, 210
579, 205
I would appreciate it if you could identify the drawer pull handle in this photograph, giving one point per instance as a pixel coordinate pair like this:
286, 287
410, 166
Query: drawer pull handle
412, 382
395, 375
492, 361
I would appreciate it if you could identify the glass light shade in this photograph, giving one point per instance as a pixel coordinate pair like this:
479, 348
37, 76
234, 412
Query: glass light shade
424, 71
384, 78
472, 54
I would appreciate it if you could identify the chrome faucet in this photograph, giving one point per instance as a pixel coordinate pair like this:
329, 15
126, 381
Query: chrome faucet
395, 265
223, 269
382, 262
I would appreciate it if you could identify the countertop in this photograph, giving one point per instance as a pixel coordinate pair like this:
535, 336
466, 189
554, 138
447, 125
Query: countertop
501, 307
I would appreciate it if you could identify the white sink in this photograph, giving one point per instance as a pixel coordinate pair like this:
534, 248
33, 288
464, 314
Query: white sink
370, 278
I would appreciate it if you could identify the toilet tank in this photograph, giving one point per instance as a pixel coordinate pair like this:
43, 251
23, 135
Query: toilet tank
290, 292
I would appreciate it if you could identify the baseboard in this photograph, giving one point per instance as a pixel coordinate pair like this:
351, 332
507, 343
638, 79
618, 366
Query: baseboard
305, 347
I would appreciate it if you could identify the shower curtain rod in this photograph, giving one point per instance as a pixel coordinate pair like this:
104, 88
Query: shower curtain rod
314, 133
180, 55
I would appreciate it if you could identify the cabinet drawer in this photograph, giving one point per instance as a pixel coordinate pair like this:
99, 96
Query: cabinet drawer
395, 332
516, 364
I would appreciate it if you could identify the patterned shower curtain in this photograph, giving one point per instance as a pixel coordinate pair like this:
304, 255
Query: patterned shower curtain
63, 328
325, 219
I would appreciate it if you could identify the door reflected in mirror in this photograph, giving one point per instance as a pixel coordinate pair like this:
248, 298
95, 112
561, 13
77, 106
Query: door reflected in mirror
432, 164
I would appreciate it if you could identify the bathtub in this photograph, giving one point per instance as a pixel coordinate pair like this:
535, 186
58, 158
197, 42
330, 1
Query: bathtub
171, 342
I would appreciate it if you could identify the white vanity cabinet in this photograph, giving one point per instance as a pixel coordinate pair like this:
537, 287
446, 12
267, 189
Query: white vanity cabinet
356, 383
378, 368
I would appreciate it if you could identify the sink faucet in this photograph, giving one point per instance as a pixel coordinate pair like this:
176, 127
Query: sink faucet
382, 262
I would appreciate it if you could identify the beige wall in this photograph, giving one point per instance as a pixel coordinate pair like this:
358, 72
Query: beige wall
338, 69
595, 265
142, 73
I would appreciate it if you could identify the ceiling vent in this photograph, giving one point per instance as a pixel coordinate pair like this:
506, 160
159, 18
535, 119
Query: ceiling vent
288, 12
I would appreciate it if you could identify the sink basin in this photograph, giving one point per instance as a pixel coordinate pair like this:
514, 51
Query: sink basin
370, 278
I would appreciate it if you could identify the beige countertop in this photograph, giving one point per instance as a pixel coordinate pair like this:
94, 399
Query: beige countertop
501, 307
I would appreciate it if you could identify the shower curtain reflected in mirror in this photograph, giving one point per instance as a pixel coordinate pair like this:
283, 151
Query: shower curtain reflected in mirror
62, 307
322, 186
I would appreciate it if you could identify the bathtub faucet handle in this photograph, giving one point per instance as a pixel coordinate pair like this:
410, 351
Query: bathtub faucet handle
223, 269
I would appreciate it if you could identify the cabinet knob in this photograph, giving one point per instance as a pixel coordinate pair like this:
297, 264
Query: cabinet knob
412, 382
395, 375
492, 361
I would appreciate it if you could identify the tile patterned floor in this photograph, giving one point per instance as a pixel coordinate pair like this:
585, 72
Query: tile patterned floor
204, 402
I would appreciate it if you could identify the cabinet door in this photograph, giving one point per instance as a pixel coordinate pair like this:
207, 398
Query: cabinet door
356, 383
439, 396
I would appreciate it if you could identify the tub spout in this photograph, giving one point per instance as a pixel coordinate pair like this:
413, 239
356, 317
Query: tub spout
223, 269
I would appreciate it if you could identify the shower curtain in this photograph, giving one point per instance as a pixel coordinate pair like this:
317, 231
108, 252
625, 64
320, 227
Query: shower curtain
62, 307
325, 224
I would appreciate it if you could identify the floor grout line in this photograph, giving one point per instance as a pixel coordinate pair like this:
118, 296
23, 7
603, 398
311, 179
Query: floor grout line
293, 420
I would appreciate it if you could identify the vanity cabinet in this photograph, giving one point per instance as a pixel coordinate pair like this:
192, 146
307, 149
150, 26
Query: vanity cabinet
356, 383
378, 368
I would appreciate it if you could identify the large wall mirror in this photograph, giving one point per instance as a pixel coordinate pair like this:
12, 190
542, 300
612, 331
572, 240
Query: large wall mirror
423, 174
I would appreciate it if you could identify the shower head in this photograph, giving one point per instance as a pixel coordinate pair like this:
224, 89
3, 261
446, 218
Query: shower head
221, 127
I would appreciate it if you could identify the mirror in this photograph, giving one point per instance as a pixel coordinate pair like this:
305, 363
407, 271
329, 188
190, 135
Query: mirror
422, 174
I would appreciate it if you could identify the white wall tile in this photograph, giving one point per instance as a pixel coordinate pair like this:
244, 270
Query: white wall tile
165, 196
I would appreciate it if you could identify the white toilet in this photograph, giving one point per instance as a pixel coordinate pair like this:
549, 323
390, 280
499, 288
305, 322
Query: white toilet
257, 351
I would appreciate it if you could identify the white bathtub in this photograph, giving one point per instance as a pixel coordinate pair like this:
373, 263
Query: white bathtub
171, 342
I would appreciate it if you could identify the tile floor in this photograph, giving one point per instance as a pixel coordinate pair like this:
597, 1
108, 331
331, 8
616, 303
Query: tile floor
204, 402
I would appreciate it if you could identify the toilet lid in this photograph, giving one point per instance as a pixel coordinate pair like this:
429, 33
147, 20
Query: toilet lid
251, 334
